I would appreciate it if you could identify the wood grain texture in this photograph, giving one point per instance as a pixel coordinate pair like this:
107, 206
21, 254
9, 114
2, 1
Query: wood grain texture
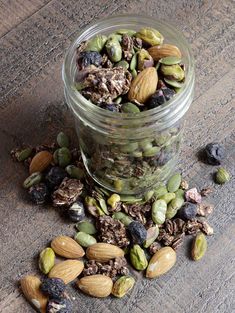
32, 109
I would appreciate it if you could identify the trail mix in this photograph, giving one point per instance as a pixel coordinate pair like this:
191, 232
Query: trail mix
129, 72
114, 233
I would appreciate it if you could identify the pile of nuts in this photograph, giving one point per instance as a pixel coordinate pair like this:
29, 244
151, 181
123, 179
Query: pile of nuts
112, 229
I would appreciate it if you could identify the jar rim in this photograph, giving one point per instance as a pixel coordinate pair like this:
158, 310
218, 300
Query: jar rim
101, 24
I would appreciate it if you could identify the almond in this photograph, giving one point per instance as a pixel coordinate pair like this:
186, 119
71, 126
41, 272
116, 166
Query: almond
40, 162
162, 51
30, 286
67, 270
143, 85
67, 247
161, 262
103, 252
99, 286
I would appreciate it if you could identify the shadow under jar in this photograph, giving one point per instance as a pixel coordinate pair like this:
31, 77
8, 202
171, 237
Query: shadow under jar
129, 153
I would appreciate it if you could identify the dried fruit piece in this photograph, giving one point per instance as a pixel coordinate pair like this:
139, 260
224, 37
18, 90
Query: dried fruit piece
67, 247
222, 176
55, 176
40, 162
192, 195
162, 51
137, 232
53, 287
214, 153
103, 252
144, 85
138, 258
188, 211
99, 286
122, 286
161, 262
46, 260
76, 211
88, 58
67, 270
199, 247
160, 97
39, 193
30, 286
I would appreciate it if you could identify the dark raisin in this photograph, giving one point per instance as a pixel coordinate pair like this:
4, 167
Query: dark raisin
188, 211
76, 212
55, 176
53, 287
39, 193
87, 58
59, 306
137, 232
214, 153
110, 107
160, 97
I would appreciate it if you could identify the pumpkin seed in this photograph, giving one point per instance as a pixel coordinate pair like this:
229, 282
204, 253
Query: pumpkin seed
168, 197
123, 64
23, 154
174, 83
170, 60
74, 171
85, 240
133, 63
174, 182
122, 217
130, 108
86, 227
128, 32
134, 73
148, 195
151, 152
159, 208
62, 156
33, 179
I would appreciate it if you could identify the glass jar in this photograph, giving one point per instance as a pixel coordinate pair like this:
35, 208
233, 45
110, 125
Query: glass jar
129, 153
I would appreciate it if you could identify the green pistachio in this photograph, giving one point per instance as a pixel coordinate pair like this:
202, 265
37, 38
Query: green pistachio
172, 72
123, 64
33, 179
152, 234
23, 154
222, 176
138, 258
118, 185
122, 286
199, 247
173, 207
150, 35
145, 144
148, 195
144, 60
86, 227
159, 208
174, 182
85, 240
133, 63
62, 140
168, 197
162, 139
75, 172
123, 218
114, 49
130, 147
128, 32
130, 108
46, 260
62, 157
170, 60
115, 36
151, 152
160, 191
113, 200
93, 207
174, 83
96, 43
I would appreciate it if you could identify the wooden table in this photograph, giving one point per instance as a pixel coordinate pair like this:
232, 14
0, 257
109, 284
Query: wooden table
34, 35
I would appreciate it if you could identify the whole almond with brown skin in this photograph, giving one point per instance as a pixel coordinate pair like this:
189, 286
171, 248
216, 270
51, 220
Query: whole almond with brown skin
67, 270
99, 286
143, 85
40, 162
161, 262
30, 286
162, 51
103, 252
67, 247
